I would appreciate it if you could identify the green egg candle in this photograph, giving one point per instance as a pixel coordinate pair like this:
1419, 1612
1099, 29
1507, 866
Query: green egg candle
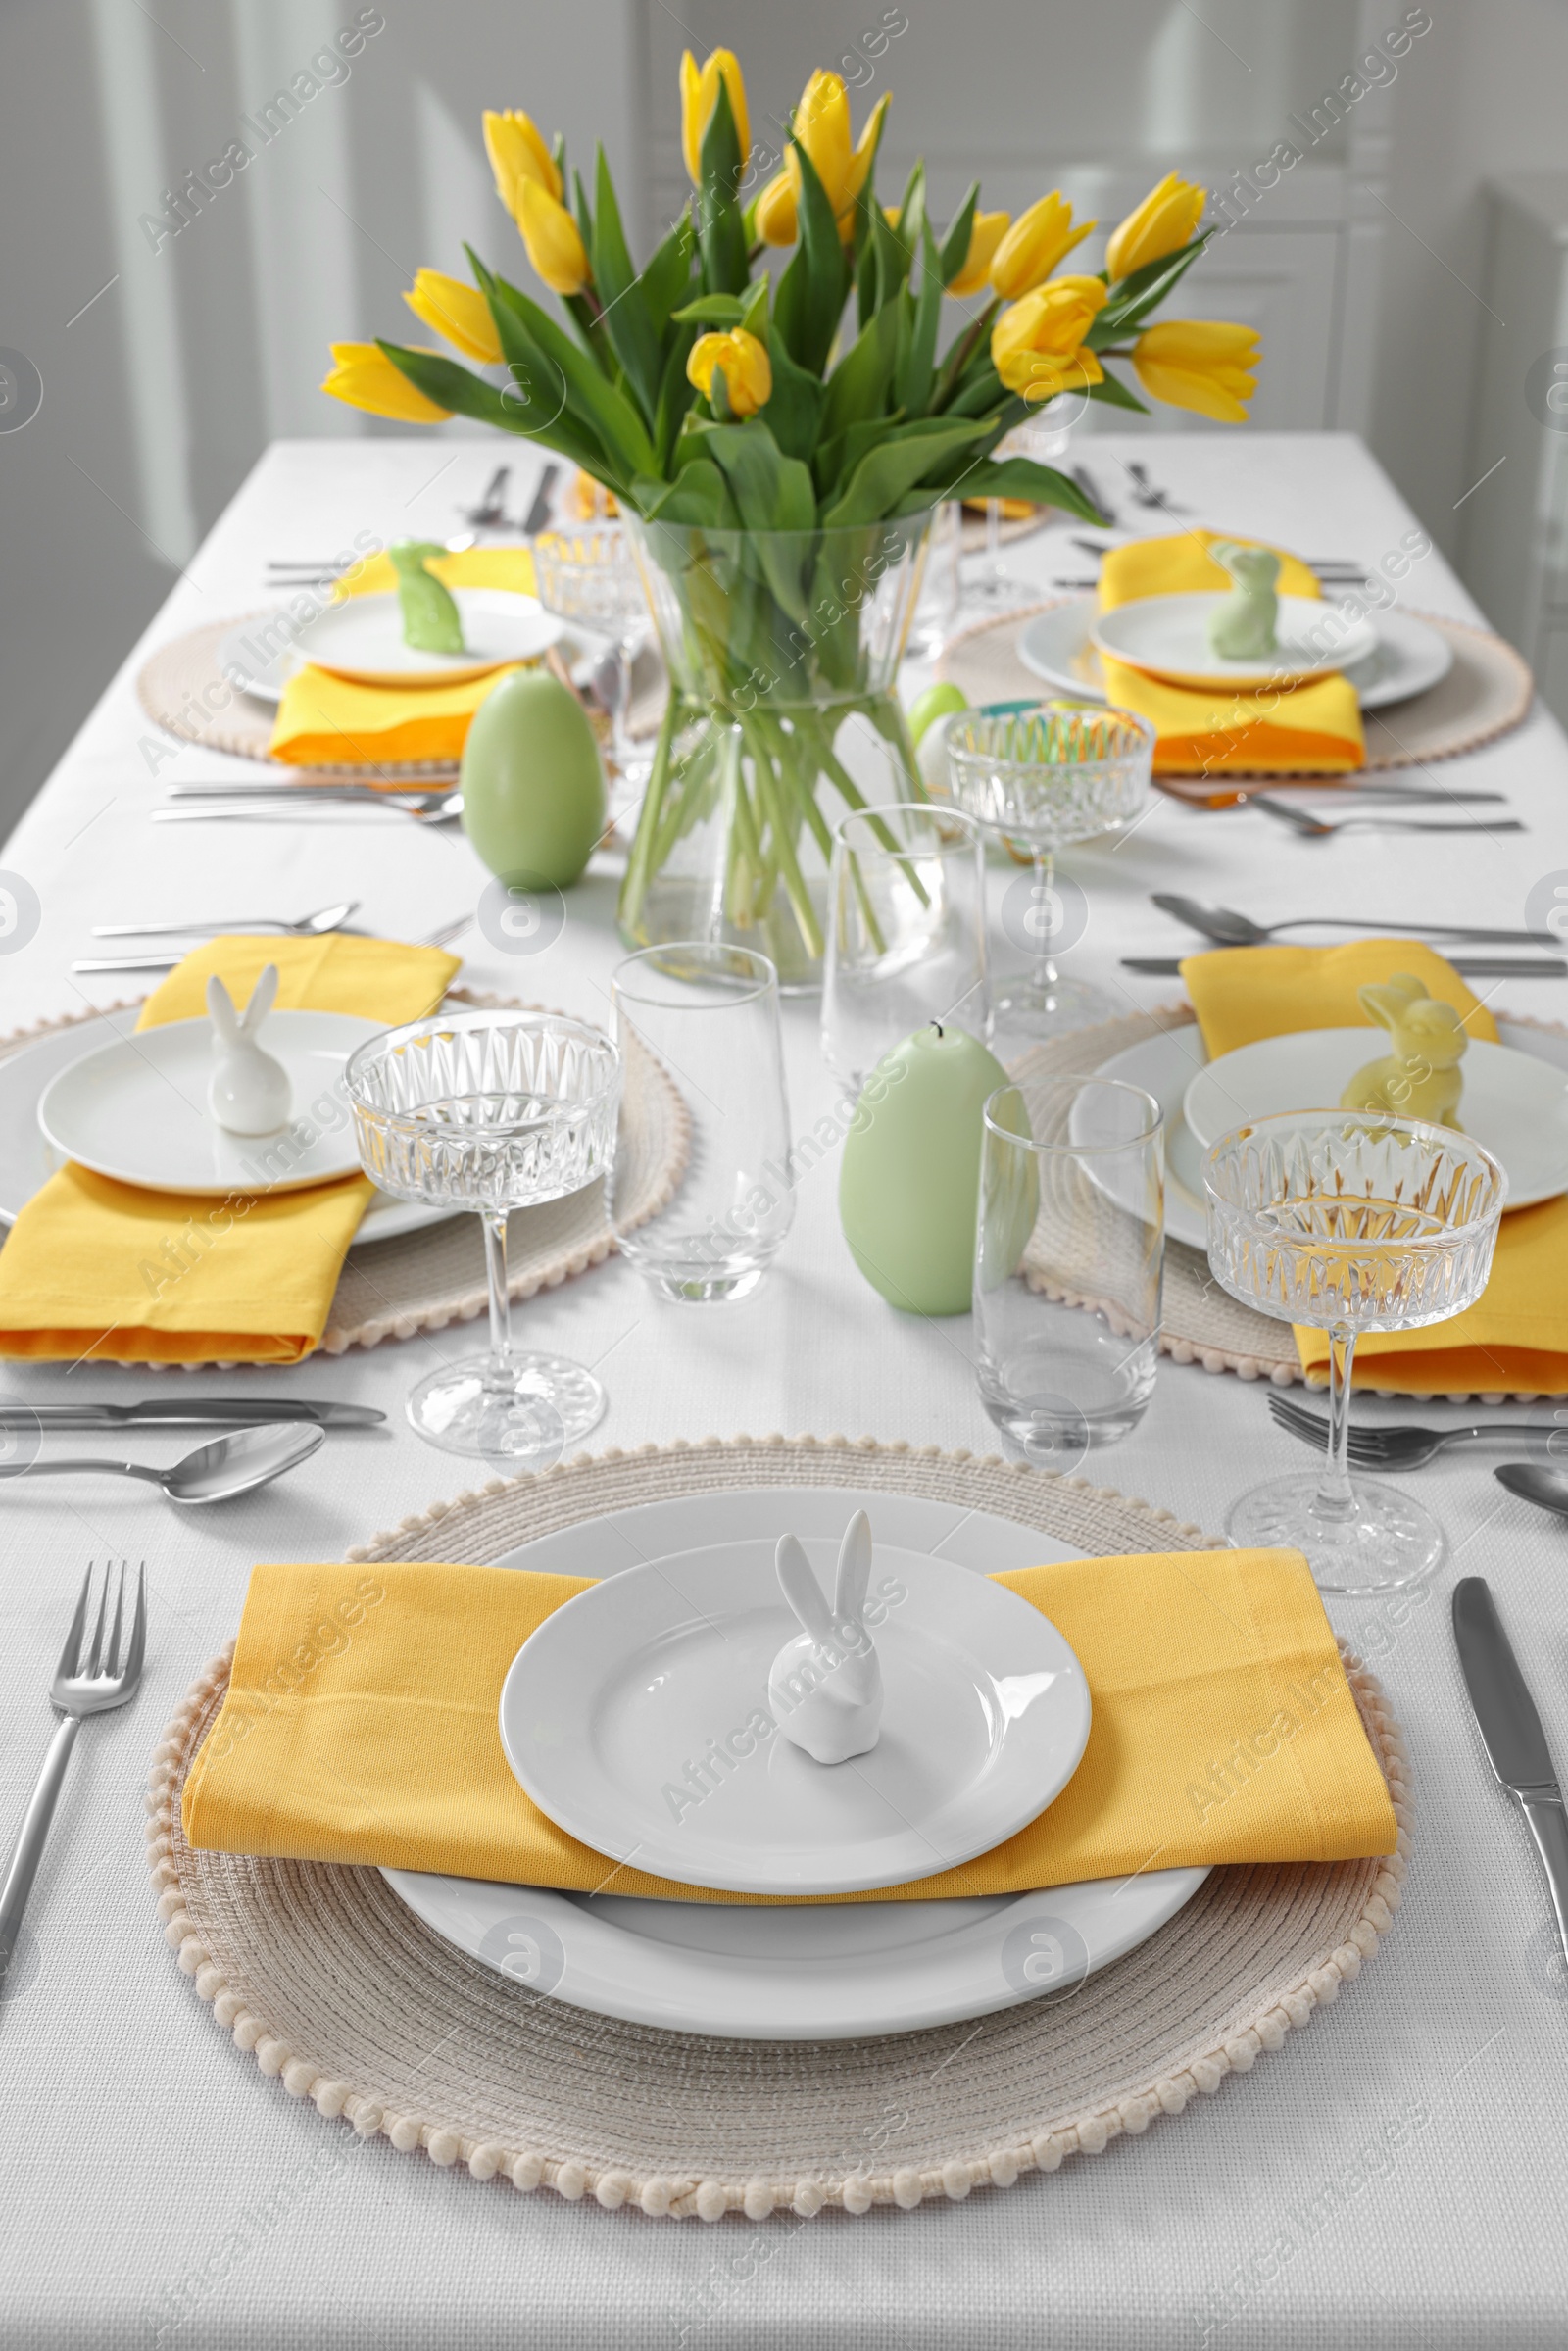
910, 1180
533, 787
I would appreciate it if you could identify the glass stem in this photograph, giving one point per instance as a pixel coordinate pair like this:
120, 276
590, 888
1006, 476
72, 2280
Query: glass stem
1336, 1499
620, 736
494, 1266
993, 539
1043, 919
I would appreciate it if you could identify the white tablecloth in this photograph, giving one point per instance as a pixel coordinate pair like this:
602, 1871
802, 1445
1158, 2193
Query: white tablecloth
1397, 2172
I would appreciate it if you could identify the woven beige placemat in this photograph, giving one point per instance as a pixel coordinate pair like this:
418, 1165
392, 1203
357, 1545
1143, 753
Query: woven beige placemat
344, 1995
426, 1280
185, 692
1488, 691
1201, 1322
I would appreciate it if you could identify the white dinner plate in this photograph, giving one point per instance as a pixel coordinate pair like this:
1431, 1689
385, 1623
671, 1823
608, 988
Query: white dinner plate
1513, 1105
1165, 1065
362, 638
1168, 636
1409, 657
832, 1971
985, 1717
136, 1110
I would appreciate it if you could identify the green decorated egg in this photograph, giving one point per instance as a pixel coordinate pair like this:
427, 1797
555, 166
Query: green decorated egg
533, 786
910, 1180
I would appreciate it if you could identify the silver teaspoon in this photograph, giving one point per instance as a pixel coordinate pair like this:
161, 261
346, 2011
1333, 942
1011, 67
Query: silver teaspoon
1548, 1489
212, 1473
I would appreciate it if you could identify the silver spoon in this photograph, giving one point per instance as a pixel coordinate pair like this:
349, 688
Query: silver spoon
1227, 928
309, 926
212, 1473
1548, 1489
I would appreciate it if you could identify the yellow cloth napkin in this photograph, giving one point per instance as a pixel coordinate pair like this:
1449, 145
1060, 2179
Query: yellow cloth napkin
327, 721
94, 1269
1312, 727
360, 1726
1516, 1335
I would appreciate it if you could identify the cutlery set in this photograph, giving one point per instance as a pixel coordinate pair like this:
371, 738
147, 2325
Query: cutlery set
1223, 926
309, 926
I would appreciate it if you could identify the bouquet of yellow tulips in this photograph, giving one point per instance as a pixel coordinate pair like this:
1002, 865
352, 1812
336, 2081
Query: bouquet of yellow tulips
769, 445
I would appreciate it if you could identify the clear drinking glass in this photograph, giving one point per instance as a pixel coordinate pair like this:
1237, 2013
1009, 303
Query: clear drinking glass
492, 1111
905, 932
591, 576
1069, 1253
1061, 773
706, 1016
1347, 1221
942, 588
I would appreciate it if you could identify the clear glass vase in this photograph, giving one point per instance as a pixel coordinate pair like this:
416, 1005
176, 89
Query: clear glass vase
782, 649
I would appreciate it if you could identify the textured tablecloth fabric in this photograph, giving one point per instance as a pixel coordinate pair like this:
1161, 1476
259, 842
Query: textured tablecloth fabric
1396, 2174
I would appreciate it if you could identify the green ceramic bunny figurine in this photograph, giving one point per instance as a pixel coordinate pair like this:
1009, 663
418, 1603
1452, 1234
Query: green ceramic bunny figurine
1421, 1077
1245, 628
432, 622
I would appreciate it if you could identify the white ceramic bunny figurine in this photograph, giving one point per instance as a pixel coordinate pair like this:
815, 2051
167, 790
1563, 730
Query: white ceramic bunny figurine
248, 1091
826, 1685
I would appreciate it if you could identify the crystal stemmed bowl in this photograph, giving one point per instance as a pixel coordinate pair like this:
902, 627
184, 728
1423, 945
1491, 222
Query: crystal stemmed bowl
589, 576
492, 1111
1345, 1222
1043, 777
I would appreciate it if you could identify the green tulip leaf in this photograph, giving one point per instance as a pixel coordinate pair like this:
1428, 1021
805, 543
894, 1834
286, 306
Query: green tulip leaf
590, 395
809, 298
916, 378
795, 410
1144, 291
619, 288
720, 230
858, 385
711, 309
955, 244
699, 495
888, 473
676, 393
1115, 394
670, 273
1012, 478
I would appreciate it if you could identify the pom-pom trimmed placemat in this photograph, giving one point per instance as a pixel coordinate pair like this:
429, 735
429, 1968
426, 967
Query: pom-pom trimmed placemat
1200, 1322
423, 1281
1488, 691
341, 1992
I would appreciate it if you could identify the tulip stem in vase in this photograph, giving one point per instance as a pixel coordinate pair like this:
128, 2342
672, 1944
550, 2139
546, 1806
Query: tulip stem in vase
777, 433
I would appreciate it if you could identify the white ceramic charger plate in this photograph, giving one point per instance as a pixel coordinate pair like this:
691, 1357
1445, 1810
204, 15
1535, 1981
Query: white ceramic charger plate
986, 1714
360, 639
1165, 1067
832, 1971
1513, 1105
1409, 657
1168, 636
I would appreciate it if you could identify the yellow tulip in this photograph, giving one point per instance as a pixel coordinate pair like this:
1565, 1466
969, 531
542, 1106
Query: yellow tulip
985, 234
458, 314
822, 127
776, 212
555, 245
698, 95
1165, 221
364, 377
1199, 363
1036, 344
518, 154
1034, 247
747, 370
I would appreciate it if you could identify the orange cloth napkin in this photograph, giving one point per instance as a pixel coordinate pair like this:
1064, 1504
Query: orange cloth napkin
360, 1726
1516, 1335
1314, 727
122, 1274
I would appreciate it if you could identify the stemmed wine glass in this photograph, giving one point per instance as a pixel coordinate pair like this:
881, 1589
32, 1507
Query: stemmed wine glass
1059, 772
1348, 1221
492, 1111
590, 576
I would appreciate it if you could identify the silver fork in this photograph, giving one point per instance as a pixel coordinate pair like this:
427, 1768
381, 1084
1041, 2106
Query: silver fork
1404, 1448
1314, 828
91, 1681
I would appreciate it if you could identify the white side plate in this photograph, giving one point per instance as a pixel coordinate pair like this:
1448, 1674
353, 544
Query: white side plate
1410, 655
1168, 636
362, 638
1514, 1106
607, 1703
833, 1971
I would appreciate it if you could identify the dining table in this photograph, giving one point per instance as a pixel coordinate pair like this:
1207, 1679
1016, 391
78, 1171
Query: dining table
1397, 2172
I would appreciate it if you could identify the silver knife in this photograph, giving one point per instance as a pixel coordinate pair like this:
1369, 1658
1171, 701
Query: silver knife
202, 1412
1510, 1728
538, 513
1469, 967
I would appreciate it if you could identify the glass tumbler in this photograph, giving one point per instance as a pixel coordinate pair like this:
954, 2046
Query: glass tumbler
905, 932
1069, 1253
1043, 777
492, 1111
706, 1016
1347, 1221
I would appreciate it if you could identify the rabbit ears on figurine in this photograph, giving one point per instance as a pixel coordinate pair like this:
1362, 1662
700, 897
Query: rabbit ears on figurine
805, 1595
1403, 1007
233, 1026
1255, 566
